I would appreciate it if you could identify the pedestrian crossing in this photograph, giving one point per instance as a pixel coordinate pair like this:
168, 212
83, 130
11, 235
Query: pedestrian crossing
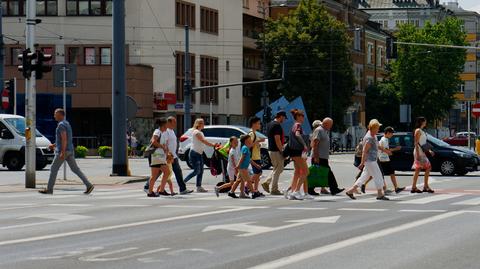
67, 198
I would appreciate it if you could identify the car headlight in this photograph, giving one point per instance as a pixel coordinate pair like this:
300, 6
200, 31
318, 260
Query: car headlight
461, 154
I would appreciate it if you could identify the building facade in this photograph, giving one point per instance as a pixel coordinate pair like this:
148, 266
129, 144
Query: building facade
80, 32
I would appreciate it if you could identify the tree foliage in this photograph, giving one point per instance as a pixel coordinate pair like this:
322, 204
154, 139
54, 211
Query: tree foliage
428, 77
305, 40
382, 103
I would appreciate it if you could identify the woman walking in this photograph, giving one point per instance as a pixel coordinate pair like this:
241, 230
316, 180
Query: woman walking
158, 159
369, 163
421, 161
196, 153
298, 152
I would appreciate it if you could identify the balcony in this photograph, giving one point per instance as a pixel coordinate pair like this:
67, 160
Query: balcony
252, 74
249, 42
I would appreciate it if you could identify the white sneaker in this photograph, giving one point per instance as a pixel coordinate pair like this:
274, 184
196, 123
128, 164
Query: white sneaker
309, 197
286, 193
291, 196
299, 196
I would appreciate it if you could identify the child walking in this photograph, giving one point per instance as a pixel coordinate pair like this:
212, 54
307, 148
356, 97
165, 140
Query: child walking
232, 171
242, 168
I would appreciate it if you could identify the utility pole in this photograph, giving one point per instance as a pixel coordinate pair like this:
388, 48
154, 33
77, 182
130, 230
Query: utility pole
2, 53
187, 91
264, 85
119, 102
30, 101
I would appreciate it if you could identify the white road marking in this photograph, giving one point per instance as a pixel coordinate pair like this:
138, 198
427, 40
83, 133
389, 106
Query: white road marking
473, 190
362, 209
423, 210
474, 201
120, 206
185, 206
329, 198
116, 192
302, 208
57, 218
368, 200
298, 257
97, 257
18, 207
431, 199
70, 205
54, 196
116, 197
119, 226
248, 229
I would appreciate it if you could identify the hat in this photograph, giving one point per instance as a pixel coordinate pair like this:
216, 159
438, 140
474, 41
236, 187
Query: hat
281, 113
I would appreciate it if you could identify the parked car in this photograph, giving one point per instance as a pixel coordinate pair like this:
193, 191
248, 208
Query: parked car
461, 139
220, 134
12, 144
448, 160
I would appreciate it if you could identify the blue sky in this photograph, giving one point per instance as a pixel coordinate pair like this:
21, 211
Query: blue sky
469, 4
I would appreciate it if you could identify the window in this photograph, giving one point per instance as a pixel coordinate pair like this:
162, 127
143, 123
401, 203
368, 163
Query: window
357, 41
370, 53
461, 87
89, 7
180, 75
380, 56
90, 56
18, 7
184, 14
208, 20
14, 54
73, 55
208, 76
105, 56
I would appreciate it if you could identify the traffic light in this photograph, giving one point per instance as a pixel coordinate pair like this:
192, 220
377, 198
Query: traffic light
392, 48
27, 67
41, 67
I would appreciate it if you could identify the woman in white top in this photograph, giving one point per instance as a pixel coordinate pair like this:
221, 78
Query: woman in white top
421, 160
196, 153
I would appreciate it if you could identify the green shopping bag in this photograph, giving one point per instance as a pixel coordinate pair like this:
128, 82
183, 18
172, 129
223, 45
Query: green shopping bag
317, 176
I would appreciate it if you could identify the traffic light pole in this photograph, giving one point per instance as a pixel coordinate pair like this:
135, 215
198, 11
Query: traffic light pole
30, 102
14, 96
2, 53
119, 97
187, 124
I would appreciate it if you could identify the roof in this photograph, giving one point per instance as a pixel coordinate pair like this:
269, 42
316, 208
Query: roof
396, 4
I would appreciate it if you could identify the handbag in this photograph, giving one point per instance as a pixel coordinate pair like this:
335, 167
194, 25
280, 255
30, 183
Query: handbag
149, 150
317, 176
159, 157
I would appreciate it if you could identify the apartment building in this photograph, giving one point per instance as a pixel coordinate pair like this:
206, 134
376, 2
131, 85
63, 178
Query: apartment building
468, 90
375, 53
80, 32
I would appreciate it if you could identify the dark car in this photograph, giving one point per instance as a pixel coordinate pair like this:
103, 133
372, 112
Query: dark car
448, 160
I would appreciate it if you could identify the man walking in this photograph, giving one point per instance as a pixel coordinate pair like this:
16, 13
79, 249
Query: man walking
321, 154
64, 152
276, 139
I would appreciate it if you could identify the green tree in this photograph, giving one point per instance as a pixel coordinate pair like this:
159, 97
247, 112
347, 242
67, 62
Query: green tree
428, 77
382, 102
305, 40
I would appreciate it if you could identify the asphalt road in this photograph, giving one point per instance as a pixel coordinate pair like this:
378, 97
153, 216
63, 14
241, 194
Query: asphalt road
119, 227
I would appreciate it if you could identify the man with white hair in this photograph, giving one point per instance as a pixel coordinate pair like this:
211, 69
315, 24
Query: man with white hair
321, 152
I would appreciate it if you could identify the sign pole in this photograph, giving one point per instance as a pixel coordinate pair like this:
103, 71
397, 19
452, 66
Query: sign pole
30, 101
14, 96
64, 82
468, 123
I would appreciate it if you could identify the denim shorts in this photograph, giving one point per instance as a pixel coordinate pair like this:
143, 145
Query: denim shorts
256, 170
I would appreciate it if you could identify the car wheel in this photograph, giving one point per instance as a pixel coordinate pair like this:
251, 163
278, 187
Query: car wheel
187, 159
447, 168
266, 162
14, 162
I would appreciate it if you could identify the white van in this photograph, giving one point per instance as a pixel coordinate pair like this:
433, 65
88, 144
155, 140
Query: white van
12, 144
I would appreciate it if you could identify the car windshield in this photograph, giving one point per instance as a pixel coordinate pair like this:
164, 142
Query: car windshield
19, 125
247, 130
437, 141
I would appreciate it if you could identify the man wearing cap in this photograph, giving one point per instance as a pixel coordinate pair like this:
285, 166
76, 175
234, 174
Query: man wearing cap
321, 153
276, 140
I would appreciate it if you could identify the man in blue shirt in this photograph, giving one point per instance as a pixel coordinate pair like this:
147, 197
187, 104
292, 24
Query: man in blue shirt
64, 152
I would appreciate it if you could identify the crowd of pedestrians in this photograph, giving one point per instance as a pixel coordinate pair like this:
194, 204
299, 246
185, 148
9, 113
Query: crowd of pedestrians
243, 159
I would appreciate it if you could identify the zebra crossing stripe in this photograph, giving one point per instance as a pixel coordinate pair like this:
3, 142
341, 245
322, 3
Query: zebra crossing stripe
474, 201
431, 199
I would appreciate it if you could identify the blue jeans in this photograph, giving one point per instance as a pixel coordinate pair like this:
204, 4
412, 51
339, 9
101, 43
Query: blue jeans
196, 159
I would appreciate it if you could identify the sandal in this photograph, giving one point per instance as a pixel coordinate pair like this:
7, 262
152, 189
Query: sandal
428, 190
351, 196
415, 190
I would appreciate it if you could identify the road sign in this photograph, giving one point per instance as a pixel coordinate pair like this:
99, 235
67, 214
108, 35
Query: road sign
5, 99
70, 75
476, 110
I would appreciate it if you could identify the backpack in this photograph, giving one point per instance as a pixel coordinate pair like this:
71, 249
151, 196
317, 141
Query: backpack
216, 168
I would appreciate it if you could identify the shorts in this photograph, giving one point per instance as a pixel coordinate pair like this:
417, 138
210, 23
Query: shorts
231, 175
256, 170
295, 153
387, 168
154, 165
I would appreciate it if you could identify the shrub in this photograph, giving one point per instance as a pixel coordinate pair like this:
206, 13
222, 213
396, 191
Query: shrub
103, 150
81, 152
